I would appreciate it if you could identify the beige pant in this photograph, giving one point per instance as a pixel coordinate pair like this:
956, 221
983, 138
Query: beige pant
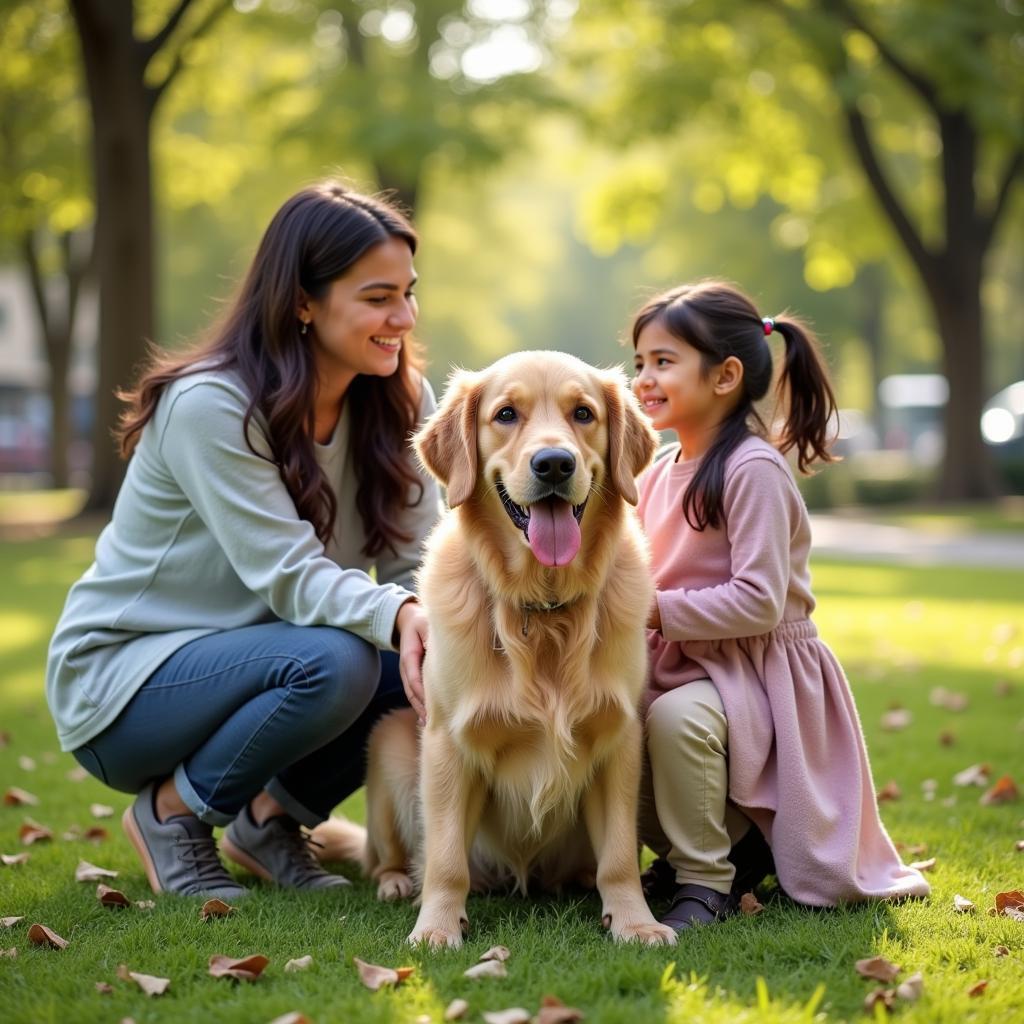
684, 814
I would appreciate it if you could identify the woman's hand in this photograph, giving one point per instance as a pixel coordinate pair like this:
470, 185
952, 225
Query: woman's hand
411, 626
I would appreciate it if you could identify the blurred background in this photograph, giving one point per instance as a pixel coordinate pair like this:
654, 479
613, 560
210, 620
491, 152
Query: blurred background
856, 161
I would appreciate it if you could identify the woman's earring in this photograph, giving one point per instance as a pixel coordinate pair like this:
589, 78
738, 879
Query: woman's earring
304, 329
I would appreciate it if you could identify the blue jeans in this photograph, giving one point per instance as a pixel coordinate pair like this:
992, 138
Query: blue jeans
277, 707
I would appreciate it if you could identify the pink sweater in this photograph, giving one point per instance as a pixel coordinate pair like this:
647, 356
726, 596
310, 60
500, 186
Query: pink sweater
735, 607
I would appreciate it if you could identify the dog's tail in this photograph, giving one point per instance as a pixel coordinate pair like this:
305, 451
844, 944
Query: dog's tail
340, 839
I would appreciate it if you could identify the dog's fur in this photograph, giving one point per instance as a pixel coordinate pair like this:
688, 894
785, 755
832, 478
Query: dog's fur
528, 766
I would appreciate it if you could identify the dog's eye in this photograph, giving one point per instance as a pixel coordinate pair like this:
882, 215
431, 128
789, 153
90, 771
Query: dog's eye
583, 414
506, 414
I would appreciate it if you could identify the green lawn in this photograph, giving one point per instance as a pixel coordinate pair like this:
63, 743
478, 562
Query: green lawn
900, 632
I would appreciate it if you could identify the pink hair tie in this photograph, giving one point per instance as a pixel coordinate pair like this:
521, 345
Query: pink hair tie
769, 325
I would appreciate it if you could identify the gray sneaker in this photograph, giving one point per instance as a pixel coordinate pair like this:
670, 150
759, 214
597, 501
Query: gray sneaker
179, 854
278, 851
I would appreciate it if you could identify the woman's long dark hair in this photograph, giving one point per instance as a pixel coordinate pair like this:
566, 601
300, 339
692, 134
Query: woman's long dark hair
720, 321
315, 237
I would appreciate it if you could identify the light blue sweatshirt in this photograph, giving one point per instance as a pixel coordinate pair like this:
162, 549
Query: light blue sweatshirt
205, 537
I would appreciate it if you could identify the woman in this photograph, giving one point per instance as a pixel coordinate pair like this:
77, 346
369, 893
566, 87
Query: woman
227, 653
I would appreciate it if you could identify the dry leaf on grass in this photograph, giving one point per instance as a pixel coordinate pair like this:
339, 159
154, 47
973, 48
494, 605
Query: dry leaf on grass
14, 859
456, 1009
1019, 846
77, 774
973, 775
501, 953
940, 697
145, 904
1012, 900
923, 865
977, 989
104, 988
896, 719
101, 811
373, 976
10, 954
95, 834
5, 739
487, 969
513, 1015
292, 1018
247, 969
26, 764
150, 985
300, 963
890, 791
885, 996
112, 898
215, 908
15, 797
1000, 951
749, 904
40, 935
961, 904
911, 989
86, 872
878, 968
554, 1011
10, 922
1003, 792
32, 832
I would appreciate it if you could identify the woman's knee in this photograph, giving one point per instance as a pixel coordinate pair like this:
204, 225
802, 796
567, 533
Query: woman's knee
341, 668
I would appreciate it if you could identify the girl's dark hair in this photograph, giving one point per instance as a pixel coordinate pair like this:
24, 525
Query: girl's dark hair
313, 239
720, 321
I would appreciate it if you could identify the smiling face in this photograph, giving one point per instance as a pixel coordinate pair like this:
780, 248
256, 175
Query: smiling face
359, 325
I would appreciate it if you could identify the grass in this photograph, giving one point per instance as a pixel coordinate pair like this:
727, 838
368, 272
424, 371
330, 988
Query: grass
900, 632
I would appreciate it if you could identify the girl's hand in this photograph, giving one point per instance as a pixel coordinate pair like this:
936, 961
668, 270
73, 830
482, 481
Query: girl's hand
654, 616
411, 626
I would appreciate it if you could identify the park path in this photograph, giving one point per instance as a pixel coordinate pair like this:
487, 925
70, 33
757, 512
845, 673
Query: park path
865, 539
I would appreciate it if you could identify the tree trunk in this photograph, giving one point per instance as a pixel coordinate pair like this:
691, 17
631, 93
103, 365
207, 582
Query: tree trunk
121, 112
872, 290
60, 418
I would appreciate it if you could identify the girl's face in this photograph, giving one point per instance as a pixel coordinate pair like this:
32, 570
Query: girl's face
359, 325
671, 384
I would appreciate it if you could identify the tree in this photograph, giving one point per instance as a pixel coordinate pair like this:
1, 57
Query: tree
126, 74
930, 97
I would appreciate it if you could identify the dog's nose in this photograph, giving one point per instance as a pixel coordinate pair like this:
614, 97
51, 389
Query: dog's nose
553, 465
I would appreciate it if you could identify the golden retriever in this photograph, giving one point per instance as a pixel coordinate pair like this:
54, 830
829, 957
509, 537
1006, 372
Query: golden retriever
537, 588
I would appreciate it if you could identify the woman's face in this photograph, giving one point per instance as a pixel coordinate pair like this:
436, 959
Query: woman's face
359, 325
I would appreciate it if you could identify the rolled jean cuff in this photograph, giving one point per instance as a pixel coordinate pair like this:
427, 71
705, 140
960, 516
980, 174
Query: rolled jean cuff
195, 803
302, 814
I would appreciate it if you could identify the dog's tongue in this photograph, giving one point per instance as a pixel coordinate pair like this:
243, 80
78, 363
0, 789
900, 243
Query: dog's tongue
553, 532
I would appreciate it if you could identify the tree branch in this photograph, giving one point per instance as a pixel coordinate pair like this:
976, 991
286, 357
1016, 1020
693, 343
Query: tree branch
865, 150
151, 46
924, 88
990, 221
35, 278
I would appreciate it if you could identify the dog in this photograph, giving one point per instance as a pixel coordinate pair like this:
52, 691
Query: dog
537, 588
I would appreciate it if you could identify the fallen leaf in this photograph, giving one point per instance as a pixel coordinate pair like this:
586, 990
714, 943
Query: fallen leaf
77, 774
456, 1009
86, 872
513, 1015
111, 897
487, 969
10, 922
1020, 845
145, 904
40, 935
122, 972
940, 697
554, 1011
247, 969
72, 834
101, 811
878, 968
150, 985
1003, 688
911, 989
977, 989
962, 905
496, 953
9, 953
13, 859
947, 738
885, 996
896, 720
749, 904
973, 775
5, 739
26, 764
15, 797
104, 988
292, 1018
1003, 792
32, 832
1000, 951
215, 908
373, 976
923, 865
298, 964
95, 834
929, 785
890, 791
1013, 900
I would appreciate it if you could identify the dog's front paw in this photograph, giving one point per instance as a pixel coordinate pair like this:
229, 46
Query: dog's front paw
649, 932
438, 932
394, 885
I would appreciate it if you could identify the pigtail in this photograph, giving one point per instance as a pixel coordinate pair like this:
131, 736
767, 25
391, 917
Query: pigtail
811, 402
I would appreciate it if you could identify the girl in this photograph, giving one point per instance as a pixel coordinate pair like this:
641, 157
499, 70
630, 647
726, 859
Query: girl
227, 653
750, 716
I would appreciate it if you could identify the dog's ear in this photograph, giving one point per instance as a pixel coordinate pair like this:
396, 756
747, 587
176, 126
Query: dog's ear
632, 441
446, 444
